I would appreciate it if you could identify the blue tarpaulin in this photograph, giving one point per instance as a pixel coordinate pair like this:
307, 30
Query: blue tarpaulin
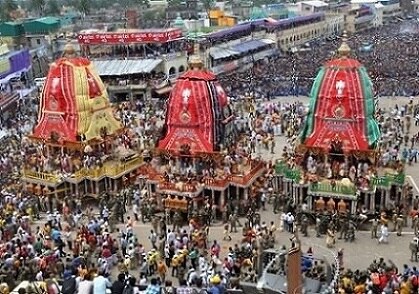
15, 62
249, 46
295, 20
220, 53
241, 28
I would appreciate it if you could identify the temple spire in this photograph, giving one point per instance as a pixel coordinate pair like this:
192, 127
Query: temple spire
69, 51
344, 49
195, 61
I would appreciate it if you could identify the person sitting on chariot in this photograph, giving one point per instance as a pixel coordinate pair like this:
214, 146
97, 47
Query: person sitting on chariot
363, 213
193, 225
384, 218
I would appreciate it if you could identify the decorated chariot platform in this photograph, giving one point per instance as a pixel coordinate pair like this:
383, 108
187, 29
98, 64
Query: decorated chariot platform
337, 156
78, 146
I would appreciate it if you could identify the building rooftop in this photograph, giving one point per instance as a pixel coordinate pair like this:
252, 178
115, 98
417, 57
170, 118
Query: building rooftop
13, 23
363, 1
315, 3
48, 20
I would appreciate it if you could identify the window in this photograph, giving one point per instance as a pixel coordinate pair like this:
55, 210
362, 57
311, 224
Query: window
38, 41
172, 71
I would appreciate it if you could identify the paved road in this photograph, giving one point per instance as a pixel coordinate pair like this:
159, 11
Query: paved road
357, 255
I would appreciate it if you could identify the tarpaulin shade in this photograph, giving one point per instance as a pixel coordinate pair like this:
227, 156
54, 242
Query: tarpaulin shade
237, 29
125, 67
295, 20
19, 61
249, 46
219, 53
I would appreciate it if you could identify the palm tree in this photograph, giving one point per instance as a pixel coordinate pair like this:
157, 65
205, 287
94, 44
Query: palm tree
53, 7
7, 7
83, 6
208, 5
38, 6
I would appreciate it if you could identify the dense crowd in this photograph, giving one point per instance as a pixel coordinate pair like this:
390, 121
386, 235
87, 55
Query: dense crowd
74, 249
388, 53
78, 254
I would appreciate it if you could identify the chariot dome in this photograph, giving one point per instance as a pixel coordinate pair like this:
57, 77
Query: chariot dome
198, 115
341, 110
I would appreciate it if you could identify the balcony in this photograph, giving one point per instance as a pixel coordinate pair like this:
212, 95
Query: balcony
364, 19
217, 182
245, 180
111, 169
127, 87
182, 187
289, 173
389, 179
327, 188
173, 56
42, 176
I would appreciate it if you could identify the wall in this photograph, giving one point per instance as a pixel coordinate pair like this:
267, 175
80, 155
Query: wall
19, 61
378, 20
175, 60
243, 63
287, 39
157, 3
37, 41
194, 24
307, 9
391, 10
416, 6
407, 6
357, 24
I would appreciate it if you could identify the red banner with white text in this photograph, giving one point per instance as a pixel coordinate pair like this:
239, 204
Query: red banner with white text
118, 38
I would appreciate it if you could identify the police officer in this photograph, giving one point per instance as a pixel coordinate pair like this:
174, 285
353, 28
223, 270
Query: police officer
415, 224
233, 224
276, 204
318, 221
343, 230
413, 246
304, 226
374, 228
399, 224
282, 258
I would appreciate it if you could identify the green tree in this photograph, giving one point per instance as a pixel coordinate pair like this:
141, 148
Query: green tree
134, 3
259, 3
145, 3
83, 6
126, 3
7, 7
174, 3
208, 5
53, 7
38, 6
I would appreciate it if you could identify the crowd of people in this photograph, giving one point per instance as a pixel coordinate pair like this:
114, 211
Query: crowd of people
74, 250
89, 252
387, 52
